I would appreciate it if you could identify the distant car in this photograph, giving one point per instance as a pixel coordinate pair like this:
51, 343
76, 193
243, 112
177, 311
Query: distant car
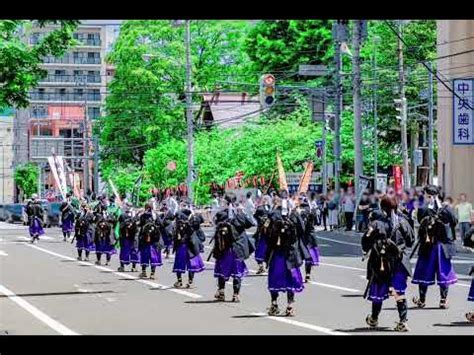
13, 213
54, 214
2, 213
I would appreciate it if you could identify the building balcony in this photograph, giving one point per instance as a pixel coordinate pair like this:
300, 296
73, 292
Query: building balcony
68, 59
70, 79
69, 97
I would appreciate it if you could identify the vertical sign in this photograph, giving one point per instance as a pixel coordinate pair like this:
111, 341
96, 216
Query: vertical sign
397, 175
463, 124
381, 182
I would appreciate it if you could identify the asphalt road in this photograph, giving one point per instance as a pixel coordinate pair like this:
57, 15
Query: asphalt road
45, 290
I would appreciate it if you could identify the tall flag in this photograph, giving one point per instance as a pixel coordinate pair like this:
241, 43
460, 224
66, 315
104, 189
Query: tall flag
306, 178
114, 189
281, 174
57, 168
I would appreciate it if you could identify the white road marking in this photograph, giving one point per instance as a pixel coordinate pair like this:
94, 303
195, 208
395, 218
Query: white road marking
338, 241
2, 253
335, 287
43, 317
342, 266
296, 323
146, 282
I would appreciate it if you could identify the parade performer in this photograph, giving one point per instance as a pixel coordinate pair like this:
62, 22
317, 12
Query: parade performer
470, 297
232, 246
284, 257
35, 214
166, 229
84, 232
149, 242
103, 236
307, 217
388, 266
67, 217
128, 239
436, 248
261, 235
187, 247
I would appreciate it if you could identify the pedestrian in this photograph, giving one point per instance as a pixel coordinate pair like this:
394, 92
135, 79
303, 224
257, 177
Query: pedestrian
232, 247
470, 297
332, 210
407, 206
148, 243
284, 259
84, 232
249, 207
128, 240
214, 206
435, 248
172, 204
388, 266
348, 207
464, 211
261, 235
323, 207
67, 217
187, 247
364, 210
35, 214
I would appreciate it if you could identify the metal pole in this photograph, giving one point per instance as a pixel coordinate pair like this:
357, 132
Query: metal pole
430, 128
358, 162
406, 175
376, 136
3, 174
325, 174
86, 140
338, 108
189, 112
96, 165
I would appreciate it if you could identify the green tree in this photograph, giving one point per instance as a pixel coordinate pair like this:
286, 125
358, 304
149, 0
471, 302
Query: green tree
20, 63
26, 178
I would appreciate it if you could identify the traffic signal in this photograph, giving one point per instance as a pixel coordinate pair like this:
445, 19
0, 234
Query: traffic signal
400, 106
267, 90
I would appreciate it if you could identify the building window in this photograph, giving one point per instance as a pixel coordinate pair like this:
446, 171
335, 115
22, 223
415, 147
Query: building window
93, 112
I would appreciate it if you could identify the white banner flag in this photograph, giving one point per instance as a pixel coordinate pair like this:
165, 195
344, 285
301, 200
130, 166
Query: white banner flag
57, 168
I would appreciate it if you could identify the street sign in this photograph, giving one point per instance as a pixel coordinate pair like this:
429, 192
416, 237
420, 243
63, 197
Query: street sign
463, 112
418, 157
312, 70
318, 106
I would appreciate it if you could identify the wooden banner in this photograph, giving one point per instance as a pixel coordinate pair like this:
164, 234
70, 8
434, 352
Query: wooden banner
306, 178
281, 174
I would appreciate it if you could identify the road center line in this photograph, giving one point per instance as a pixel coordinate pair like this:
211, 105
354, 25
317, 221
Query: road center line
296, 323
43, 317
121, 274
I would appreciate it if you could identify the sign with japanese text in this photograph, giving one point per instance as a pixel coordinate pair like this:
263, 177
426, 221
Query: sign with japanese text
397, 175
463, 123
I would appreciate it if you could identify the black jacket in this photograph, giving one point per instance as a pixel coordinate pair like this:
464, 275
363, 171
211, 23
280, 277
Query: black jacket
261, 215
184, 232
149, 234
34, 209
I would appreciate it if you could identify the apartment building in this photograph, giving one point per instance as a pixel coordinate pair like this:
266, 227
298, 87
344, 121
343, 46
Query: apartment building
6, 156
66, 102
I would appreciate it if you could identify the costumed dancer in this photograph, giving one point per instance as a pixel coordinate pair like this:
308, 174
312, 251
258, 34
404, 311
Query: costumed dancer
35, 214
128, 239
103, 240
470, 297
261, 235
436, 247
388, 266
166, 224
84, 232
187, 247
284, 256
232, 246
307, 218
149, 243
67, 217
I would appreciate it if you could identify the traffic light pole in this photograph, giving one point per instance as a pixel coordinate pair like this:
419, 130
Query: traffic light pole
189, 112
430, 129
337, 114
358, 162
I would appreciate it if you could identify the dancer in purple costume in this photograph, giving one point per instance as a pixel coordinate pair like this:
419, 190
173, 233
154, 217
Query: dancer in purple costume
261, 235
35, 213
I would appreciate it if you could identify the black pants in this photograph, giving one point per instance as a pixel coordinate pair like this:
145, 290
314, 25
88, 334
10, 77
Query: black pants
153, 268
349, 220
324, 218
236, 283
290, 295
443, 292
402, 309
79, 253
179, 275
107, 256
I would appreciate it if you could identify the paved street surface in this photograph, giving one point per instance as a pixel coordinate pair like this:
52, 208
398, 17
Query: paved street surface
45, 290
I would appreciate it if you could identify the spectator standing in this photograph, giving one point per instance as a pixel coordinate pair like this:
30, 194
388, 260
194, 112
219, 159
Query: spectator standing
249, 207
463, 212
364, 210
332, 210
348, 207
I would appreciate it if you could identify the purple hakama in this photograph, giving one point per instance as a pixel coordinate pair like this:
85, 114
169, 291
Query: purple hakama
261, 249
434, 265
470, 297
149, 255
380, 291
128, 253
183, 262
314, 260
67, 225
104, 247
85, 243
229, 266
36, 228
280, 278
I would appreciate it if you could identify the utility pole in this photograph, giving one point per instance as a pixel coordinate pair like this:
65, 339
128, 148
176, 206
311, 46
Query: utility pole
358, 162
96, 165
430, 128
324, 164
189, 112
406, 175
83, 82
338, 105
374, 93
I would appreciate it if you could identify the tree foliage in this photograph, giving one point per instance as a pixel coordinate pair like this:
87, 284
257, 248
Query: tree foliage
26, 178
20, 62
